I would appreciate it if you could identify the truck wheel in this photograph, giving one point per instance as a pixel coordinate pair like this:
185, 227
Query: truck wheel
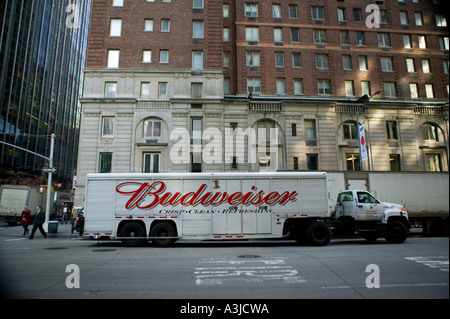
396, 232
163, 230
318, 234
131, 230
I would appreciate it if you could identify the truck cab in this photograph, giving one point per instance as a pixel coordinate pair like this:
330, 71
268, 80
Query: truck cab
360, 211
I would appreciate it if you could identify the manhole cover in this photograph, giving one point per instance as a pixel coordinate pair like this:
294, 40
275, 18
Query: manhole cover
103, 250
249, 256
55, 248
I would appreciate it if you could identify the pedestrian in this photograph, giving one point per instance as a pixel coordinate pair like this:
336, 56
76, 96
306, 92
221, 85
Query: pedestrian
64, 215
25, 219
39, 220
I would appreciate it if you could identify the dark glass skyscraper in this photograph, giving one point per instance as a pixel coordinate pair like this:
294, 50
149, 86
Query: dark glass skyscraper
42, 54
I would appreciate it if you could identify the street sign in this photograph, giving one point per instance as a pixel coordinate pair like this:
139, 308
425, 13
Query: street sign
49, 169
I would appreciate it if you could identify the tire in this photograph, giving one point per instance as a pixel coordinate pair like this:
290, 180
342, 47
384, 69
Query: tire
130, 230
163, 230
396, 232
318, 234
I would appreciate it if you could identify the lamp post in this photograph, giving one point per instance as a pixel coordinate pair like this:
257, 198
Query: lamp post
364, 99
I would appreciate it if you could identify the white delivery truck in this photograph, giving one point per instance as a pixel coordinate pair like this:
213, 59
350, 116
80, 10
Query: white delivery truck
136, 208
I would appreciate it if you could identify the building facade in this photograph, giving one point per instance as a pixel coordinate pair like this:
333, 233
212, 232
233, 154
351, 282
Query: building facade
42, 54
219, 85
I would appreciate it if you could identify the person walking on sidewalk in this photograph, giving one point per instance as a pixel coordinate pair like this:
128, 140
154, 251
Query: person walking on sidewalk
39, 220
64, 214
25, 219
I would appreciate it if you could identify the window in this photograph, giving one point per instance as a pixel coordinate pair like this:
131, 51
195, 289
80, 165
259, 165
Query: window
418, 18
278, 35
422, 42
279, 59
152, 128
226, 11
197, 60
226, 59
394, 161
145, 89
320, 36
253, 58
350, 131
433, 162
441, 21
384, 40
389, 89
349, 88
251, 9
164, 56
391, 130
444, 43
344, 37
105, 162
407, 41
342, 16
294, 129
310, 129
317, 14
429, 91
293, 11
360, 38
113, 59
115, 29
254, 85
196, 90
162, 89
117, 3
226, 34
197, 29
426, 66
165, 25
352, 162
197, 4
295, 35
110, 89
281, 86
365, 88
196, 130
413, 90
386, 64
276, 11
295, 159
324, 87
363, 64
312, 162
148, 25
430, 132
347, 62
151, 163
322, 61
296, 59
298, 86
410, 66
357, 15
364, 197
403, 18
107, 126
252, 34
147, 56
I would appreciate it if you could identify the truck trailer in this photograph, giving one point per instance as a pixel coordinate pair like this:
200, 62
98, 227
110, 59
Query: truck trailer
139, 207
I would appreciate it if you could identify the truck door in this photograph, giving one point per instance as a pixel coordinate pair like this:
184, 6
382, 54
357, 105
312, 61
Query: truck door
226, 219
368, 207
345, 205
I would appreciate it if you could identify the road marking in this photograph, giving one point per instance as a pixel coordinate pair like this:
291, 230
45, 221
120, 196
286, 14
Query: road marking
436, 262
254, 270
15, 239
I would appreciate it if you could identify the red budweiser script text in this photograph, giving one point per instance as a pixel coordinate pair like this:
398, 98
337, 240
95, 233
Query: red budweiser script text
148, 196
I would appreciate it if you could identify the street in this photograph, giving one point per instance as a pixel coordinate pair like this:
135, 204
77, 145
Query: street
66, 266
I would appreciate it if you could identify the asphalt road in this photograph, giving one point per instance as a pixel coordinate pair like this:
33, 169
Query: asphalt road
65, 267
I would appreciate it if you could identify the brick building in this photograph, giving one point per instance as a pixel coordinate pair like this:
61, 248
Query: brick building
158, 68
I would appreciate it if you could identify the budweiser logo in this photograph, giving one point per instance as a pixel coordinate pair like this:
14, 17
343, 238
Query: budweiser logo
147, 196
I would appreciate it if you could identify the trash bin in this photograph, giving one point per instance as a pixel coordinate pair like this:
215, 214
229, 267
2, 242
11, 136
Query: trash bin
53, 226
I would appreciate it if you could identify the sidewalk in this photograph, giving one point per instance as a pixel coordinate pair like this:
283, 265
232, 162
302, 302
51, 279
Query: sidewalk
64, 231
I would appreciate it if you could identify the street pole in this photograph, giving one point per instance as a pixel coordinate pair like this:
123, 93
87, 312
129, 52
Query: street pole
49, 182
367, 99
